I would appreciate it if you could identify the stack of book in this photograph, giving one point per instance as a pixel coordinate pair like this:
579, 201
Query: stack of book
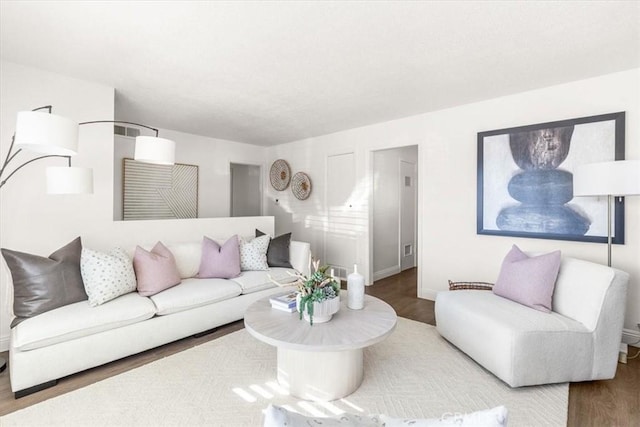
285, 302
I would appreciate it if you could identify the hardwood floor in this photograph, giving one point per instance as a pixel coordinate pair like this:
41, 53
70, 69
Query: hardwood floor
598, 403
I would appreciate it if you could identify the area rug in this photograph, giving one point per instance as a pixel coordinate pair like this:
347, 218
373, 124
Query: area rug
230, 380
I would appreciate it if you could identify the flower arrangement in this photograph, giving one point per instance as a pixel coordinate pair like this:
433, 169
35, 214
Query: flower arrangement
318, 287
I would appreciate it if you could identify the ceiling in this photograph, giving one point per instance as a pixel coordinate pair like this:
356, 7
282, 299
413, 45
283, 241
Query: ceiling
272, 72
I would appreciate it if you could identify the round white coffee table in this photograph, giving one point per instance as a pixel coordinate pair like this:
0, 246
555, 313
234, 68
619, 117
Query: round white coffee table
325, 361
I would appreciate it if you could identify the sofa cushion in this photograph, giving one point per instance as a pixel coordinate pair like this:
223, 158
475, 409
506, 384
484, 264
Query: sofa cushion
219, 261
106, 275
193, 293
155, 270
254, 281
581, 289
41, 284
494, 417
480, 286
187, 256
300, 257
528, 280
80, 320
253, 254
278, 252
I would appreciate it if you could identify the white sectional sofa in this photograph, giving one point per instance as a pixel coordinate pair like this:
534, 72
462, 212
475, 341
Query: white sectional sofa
76, 337
578, 340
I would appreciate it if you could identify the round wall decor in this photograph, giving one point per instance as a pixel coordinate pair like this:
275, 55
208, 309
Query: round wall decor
301, 185
280, 175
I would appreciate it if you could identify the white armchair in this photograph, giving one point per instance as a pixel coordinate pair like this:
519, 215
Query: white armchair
578, 341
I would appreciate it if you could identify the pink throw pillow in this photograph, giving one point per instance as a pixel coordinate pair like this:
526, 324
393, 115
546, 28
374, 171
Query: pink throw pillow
155, 270
528, 280
221, 262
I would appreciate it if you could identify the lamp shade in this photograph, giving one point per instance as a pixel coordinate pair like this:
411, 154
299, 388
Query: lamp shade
69, 180
46, 133
150, 149
617, 178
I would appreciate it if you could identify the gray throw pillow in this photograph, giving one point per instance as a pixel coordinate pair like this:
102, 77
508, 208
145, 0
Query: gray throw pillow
41, 284
278, 251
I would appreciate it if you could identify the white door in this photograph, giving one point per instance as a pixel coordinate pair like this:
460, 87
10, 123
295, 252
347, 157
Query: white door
340, 238
408, 212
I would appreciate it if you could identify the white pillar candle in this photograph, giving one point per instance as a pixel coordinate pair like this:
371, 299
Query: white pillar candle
355, 289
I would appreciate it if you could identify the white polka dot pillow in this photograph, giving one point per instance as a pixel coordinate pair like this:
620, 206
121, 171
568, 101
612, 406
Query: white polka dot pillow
253, 254
106, 276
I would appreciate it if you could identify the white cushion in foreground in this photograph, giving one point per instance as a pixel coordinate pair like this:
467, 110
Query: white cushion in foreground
495, 417
276, 416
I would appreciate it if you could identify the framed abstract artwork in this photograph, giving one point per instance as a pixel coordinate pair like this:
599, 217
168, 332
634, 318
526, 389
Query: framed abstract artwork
525, 179
154, 191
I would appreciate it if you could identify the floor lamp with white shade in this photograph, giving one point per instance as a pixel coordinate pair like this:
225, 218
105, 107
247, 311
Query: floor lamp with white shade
612, 179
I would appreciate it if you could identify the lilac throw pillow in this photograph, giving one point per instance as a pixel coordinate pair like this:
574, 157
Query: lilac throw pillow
528, 280
222, 262
155, 270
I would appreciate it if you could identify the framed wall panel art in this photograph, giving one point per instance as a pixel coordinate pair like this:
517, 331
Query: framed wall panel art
525, 179
159, 191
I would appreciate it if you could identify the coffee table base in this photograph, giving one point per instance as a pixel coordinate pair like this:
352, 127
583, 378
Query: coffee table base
320, 376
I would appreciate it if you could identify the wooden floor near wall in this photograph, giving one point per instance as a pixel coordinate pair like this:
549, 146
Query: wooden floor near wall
598, 403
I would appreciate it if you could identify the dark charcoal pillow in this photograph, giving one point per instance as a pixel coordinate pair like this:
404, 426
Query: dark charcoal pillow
42, 284
483, 286
278, 251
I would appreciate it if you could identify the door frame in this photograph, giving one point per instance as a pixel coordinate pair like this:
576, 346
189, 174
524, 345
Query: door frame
420, 210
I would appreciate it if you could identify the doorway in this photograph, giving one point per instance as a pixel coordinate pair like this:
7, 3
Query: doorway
394, 214
246, 190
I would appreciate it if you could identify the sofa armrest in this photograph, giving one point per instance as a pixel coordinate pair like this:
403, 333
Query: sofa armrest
299, 256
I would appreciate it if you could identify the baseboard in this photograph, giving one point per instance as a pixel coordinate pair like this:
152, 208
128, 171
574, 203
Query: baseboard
630, 336
377, 275
428, 294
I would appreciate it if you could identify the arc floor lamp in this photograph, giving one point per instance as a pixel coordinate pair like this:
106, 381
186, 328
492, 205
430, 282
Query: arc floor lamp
51, 135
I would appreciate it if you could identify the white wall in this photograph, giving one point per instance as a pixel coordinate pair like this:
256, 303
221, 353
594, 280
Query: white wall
308, 219
448, 245
385, 206
213, 158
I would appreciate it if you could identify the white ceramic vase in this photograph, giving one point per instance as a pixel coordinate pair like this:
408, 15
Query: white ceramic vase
322, 311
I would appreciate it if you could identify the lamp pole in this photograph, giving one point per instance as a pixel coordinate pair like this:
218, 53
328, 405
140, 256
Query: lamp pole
10, 156
609, 200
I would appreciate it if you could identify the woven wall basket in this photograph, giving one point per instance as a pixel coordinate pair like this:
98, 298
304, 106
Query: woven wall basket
301, 185
280, 175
